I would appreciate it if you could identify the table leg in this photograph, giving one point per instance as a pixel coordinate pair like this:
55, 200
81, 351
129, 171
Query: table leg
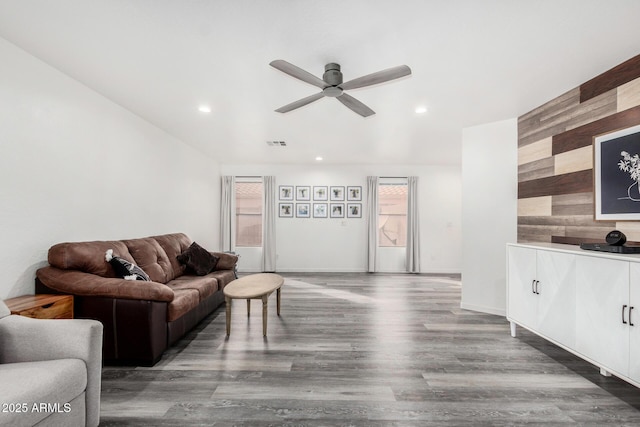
265, 299
227, 301
248, 307
278, 300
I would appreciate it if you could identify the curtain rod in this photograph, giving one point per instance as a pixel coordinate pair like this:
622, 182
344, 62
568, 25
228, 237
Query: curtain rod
393, 177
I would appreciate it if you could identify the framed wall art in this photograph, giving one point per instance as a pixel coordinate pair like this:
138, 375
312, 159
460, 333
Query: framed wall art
286, 192
320, 210
286, 210
320, 193
303, 210
303, 192
336, 193
617, 175
336, 210
354, 210
354, 193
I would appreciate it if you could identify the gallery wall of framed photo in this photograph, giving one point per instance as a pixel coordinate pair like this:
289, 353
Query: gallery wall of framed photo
320, 201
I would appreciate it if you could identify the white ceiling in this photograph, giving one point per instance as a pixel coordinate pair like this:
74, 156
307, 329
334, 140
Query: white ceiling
473, 62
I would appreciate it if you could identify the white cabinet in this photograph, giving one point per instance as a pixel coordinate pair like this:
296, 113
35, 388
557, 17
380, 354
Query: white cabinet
541, 292
586, 302
602, 293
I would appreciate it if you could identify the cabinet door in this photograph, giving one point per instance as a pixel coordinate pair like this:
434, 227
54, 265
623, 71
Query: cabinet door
557, 296
634, 331
521, 302
602, 289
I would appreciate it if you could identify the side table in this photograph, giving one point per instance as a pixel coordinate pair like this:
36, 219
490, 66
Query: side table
42, 306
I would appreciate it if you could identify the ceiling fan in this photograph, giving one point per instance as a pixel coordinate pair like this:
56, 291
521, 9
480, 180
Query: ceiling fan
332, 86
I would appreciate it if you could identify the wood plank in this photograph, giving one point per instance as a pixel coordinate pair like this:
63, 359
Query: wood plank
631, 229
535, 206
611, 79
576, 182
537, 169
579, 115
574, 160
568, 220
570, 240
582, 136
629, 95
537, 151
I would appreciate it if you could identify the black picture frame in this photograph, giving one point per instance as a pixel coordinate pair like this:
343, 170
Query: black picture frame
285, 210
285, 192
354, 210
354, 193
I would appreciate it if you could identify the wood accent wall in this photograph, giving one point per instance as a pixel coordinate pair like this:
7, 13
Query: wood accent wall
555, 158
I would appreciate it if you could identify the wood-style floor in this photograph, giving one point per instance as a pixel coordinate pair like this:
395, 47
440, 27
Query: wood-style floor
365, 350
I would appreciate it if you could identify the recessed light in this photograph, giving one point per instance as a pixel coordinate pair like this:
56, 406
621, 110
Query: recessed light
319, 158
204, 109
421, 109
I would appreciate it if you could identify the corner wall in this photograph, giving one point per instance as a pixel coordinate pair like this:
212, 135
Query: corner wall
489, 200
75, 166
555, 158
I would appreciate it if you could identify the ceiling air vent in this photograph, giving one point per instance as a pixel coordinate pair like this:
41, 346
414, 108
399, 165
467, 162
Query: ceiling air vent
276, 143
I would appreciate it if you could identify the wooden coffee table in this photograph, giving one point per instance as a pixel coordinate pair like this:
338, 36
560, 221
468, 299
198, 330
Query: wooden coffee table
254, 286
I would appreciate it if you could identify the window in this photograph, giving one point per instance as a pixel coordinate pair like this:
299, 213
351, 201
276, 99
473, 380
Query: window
249, 213
392, 215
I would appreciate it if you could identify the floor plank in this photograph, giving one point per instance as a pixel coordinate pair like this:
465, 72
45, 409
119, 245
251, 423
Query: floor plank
365, 350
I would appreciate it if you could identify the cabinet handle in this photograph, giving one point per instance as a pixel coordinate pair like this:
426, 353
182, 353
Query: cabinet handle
537, 283
533, 283
630, 324
623, 308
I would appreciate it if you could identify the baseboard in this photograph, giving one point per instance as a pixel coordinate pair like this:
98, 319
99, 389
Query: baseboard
482, 309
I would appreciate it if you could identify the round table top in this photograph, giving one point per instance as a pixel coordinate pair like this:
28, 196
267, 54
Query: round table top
253, 286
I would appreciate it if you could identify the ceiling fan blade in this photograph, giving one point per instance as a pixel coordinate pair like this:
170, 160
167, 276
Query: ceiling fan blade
355, 105
378, 77
298, 73
300, 103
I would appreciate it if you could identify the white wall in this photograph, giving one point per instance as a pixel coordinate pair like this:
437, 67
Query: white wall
315, 245
75, 166
489, 212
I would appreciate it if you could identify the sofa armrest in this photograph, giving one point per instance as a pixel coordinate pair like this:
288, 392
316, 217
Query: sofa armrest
86, 284
226, 261
23, 339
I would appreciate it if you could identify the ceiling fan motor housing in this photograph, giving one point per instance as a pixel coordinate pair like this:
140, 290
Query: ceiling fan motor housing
332, 75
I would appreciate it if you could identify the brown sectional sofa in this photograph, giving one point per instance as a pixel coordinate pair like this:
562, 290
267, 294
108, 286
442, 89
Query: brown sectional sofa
141, 318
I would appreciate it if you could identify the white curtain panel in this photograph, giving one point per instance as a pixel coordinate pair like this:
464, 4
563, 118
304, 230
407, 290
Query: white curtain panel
372, 223
227, 217
413, 226
269, 224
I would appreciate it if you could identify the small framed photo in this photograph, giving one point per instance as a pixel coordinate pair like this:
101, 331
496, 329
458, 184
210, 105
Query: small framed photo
354, 193
303, 192
320, 210
337, 210
286, 192
336, 193
320, 193
354, 210
303, 210
286, 210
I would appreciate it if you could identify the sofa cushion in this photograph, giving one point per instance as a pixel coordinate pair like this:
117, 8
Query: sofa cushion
184, 300
224, 277
87, 257
205, 285
174, 245
49, 382
226, 261
198, 260
150, 257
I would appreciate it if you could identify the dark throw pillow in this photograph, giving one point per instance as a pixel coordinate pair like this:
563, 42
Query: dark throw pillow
124, 269
198, 259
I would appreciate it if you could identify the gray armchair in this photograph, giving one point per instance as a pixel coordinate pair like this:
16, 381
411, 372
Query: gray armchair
50, 371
